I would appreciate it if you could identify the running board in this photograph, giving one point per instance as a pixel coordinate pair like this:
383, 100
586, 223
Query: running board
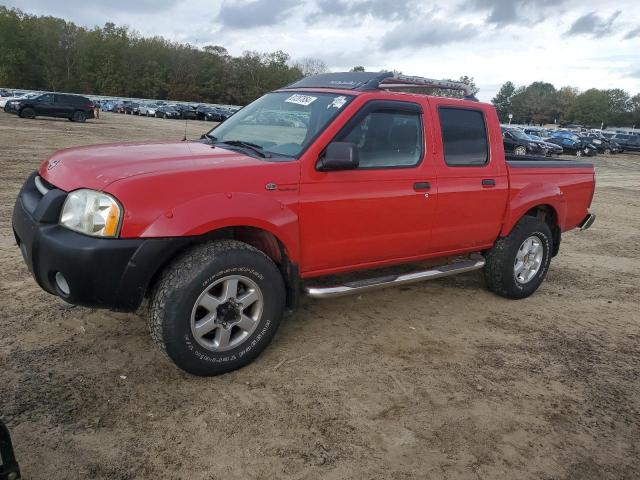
476, 262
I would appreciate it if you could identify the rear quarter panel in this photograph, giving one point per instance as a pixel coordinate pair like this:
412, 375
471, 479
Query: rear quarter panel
569, 190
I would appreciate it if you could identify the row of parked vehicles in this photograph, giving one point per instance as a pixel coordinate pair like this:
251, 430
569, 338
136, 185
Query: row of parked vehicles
173, 111
540, 141
80, 108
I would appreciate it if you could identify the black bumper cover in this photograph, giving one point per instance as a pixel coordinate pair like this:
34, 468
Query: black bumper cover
100, 272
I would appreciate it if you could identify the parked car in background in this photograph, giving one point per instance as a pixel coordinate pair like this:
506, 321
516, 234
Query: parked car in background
74, 107
107, 106
517, 142
15, 96
602, 143
130, 107
186, 111
11, 104
148, 109
552, 148
628, 142
573, 144
168, 111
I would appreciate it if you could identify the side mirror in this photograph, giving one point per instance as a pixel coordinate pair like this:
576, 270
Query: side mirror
339, 156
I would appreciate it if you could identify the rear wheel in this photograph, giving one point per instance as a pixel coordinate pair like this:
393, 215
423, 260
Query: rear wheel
28, 112
217, 307
79, 116
518, 263
607, 151
578, 153
520, 150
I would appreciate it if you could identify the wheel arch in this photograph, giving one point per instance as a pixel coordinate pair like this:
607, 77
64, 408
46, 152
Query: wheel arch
546, 212
260, 238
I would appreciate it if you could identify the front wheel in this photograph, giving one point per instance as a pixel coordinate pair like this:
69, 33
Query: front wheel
518, 263
217, 307
28, 112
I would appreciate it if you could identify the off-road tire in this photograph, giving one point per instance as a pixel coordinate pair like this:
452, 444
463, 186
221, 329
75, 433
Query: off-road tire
499, 269
79, 116
27, 112
183, 281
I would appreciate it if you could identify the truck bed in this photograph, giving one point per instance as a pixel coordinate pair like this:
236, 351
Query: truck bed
568, 184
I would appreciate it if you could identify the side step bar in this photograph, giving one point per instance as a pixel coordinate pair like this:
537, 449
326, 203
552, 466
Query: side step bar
476, 262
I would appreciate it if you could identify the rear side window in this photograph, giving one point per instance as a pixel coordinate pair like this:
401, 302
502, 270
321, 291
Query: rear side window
464, 136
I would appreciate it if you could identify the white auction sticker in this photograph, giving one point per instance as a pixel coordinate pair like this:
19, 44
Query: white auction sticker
338, 103
301, 99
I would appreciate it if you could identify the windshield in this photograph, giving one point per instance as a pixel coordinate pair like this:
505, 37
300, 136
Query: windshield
281, 123
519, 134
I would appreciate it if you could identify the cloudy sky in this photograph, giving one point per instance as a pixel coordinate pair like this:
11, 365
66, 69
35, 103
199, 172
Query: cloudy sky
582, 43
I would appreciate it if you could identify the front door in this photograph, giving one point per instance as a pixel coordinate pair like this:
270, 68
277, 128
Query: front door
378, 212
44, 104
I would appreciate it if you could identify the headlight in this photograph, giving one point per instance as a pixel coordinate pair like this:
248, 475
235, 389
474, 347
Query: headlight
91, 213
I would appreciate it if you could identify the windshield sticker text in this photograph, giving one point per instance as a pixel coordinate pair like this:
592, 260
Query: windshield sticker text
301, 99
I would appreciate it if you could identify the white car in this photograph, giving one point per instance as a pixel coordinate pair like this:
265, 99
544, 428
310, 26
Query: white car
4, 100
148, 109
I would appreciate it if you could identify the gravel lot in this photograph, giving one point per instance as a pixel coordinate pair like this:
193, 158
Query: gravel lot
437, 380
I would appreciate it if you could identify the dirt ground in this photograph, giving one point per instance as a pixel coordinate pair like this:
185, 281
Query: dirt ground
437, 380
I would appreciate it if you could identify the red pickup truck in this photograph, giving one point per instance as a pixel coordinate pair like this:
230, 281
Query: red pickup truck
335, 173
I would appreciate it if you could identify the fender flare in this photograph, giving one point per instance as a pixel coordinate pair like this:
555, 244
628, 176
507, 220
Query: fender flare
531, 196
230, 210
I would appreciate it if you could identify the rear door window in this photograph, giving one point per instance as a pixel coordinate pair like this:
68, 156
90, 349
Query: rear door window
464, 137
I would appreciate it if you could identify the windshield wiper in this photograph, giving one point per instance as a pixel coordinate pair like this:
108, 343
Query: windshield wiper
209, 137
254, 147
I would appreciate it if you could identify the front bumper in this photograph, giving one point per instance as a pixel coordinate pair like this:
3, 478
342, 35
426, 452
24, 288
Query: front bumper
99, 272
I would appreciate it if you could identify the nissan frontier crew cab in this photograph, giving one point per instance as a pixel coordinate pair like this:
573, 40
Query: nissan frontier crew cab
336, 173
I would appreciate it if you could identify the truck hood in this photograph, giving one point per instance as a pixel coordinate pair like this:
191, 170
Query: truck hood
98, 166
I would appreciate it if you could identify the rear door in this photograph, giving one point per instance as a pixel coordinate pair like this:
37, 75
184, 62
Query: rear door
381, 211
473, 184
63, 106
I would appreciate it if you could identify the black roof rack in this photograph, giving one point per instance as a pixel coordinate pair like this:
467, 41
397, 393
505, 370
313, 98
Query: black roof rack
377, 80
343, 80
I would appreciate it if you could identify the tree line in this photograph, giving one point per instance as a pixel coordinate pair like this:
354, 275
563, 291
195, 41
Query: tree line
48, 53
541, 102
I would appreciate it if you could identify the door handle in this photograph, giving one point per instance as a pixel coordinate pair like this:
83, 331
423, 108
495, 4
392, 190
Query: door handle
488, 182
422, 186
